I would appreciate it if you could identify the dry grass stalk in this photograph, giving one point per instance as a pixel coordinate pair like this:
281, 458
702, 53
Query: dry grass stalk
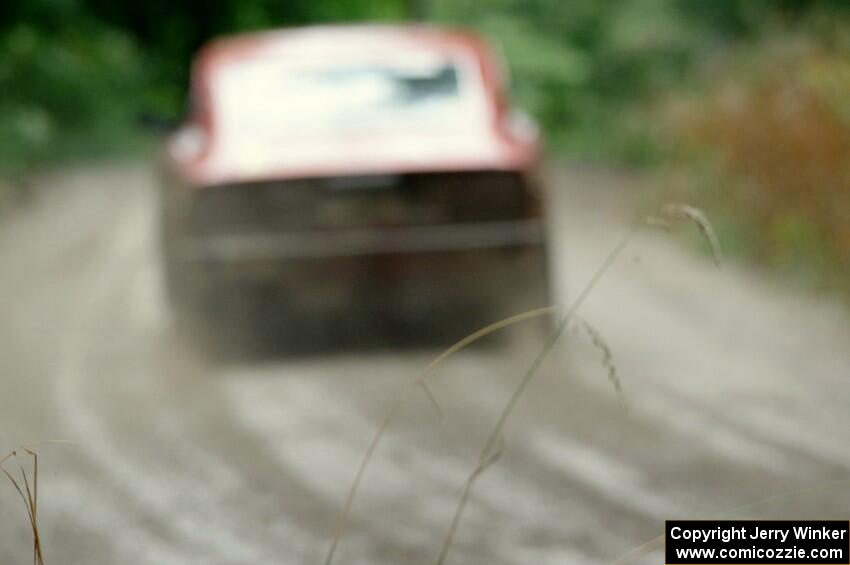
492, 449
418, 381
676, 211
28, 494
607, 357
496, 434
659, 223
699, 219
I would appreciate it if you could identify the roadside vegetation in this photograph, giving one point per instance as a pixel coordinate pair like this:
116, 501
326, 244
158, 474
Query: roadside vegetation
25, 484
763, 143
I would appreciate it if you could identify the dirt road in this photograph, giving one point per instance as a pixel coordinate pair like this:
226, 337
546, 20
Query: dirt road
735, 391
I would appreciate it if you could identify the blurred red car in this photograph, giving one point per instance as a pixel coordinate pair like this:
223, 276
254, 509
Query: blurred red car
369, 170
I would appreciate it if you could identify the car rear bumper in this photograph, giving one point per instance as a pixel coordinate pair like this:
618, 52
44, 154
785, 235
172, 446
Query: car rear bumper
405, 269
236, 249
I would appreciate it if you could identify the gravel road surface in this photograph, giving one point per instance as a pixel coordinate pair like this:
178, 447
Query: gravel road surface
735, 403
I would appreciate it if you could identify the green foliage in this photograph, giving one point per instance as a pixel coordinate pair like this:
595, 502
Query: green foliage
581, 66
590, 71
75, 73
64, 88
772, 124
172, 31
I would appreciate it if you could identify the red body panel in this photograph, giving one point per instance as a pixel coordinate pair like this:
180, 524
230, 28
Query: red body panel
201, 153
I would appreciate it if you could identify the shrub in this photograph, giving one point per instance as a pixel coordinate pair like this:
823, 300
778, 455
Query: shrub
775, 126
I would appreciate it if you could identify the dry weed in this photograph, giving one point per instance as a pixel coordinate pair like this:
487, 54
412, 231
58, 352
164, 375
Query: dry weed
28, 494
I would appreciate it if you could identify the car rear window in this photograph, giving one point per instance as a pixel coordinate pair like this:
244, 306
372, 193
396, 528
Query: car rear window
280, 97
